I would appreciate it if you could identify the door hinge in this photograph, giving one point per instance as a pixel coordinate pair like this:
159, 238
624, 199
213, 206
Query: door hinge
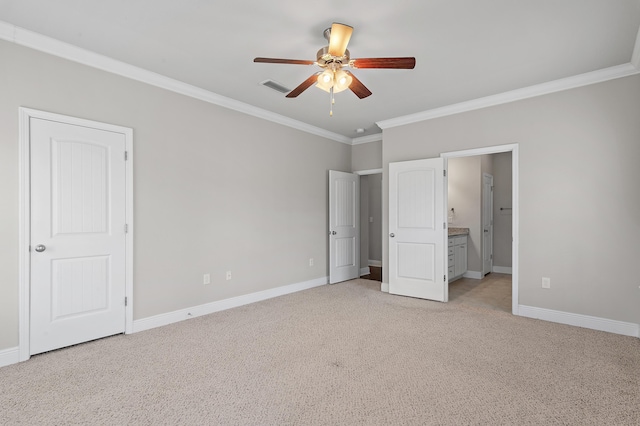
126, 155
444, 225
125, 301
445, 278
444, 173
126, 228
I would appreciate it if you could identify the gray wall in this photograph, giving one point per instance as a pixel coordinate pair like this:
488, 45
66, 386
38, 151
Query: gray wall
215, 190
366, 156
579, 198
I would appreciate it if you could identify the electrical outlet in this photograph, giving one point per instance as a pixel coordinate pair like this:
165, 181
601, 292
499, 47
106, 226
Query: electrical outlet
311, 261
228, 275
546, 282
206, 279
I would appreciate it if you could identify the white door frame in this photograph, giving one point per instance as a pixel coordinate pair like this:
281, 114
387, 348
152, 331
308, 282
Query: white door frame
513, 148
24, 215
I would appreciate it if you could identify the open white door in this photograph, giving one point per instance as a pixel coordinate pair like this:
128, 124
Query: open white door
487, 223
344, 226
78, 250
417, 230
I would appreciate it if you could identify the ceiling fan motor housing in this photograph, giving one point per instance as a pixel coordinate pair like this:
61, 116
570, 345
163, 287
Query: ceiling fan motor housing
324, 59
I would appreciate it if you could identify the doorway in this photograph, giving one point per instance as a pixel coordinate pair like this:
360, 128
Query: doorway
76, 231
492, 262
371, 224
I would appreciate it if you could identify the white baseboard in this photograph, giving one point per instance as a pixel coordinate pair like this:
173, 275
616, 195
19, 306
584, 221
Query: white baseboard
503, 270
9, 356
221, 305
384, 287
365, 271
579, 320
473, 274
377, 263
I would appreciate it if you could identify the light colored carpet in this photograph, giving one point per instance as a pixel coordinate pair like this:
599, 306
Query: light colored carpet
340, 354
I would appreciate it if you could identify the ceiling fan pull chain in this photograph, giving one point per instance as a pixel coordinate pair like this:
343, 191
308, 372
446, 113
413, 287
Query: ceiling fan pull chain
332, 102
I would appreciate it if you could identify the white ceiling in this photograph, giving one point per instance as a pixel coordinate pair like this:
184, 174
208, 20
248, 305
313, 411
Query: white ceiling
464, 49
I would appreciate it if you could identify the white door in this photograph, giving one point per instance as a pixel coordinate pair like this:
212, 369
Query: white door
77, 234
417, 237
344, 226
487, 223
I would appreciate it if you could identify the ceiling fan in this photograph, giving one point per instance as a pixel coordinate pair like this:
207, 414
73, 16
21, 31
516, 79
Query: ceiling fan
332, 59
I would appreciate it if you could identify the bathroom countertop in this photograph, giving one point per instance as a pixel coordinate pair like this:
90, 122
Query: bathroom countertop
458, 231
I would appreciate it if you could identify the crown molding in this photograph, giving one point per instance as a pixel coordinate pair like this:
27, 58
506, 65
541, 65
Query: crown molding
23, 37
366, 139
73, 53
585, 79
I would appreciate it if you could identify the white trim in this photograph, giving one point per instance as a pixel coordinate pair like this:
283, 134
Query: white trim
221, 305
516, 206
384, 287
364, 271
635, 57
366, 139
377, 263
368, 172
24, 234
24, 184
502, 270
64, 50
580, 80
476, 275
579, 320
9, 356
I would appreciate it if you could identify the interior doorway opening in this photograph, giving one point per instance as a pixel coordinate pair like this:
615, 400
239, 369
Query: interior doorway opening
490, 279
371, 224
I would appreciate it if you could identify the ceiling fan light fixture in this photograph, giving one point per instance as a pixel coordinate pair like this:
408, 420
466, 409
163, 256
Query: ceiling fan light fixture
342, 81
325, 80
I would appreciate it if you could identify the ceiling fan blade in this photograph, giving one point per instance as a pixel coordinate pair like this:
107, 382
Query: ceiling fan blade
340, 36
283, 61
357, 87
395, 63
304, 86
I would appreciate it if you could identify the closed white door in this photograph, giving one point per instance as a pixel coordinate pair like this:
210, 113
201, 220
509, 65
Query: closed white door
344, 226
77, 234
417, 239
487, 223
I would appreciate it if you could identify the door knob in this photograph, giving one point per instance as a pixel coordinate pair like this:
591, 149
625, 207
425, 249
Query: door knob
333, 232
392, 235
40, 248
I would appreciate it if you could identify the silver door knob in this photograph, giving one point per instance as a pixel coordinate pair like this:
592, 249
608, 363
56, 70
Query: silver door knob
333, 232
392, 235
40, 248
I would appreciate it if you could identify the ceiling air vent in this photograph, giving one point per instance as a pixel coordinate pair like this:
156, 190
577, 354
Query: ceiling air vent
275, 86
